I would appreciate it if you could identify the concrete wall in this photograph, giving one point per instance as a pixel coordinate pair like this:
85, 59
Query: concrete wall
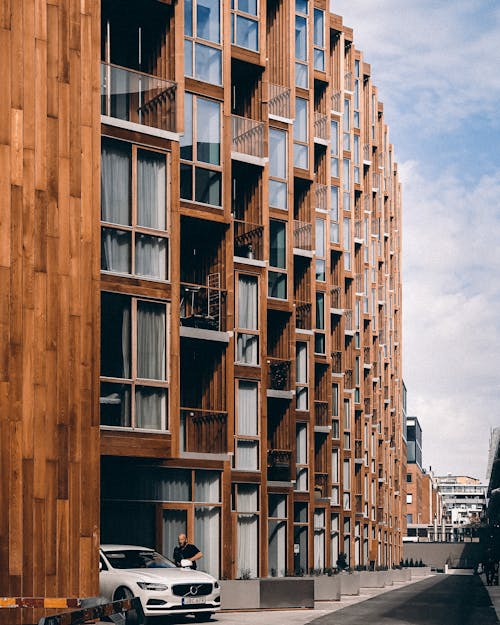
459, 555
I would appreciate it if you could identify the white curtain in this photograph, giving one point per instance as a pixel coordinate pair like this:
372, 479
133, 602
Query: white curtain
115, 182
151, 256
248, 348
115, 250
301, 374
151, 408
247, 455
207, 538
151, 320
151, 190
248, 530
277, 548
174, 523
207, 486
301, 480
302, 398
248, 303
247, 408
301, 443
319, 539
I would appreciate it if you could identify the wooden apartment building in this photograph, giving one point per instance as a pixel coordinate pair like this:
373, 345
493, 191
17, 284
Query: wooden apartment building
200, 293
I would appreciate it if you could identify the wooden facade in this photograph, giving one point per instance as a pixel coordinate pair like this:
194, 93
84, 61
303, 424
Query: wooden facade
266, 253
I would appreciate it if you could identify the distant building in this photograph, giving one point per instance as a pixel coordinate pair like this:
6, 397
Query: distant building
414, 439
464, 498
493, 479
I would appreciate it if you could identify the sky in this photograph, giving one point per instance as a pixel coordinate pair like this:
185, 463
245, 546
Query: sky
437, 66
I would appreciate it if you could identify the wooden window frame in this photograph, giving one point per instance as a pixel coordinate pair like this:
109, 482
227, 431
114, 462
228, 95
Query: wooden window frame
194, 39
235, 12
240, 330
305, 384
303, 465
245, 437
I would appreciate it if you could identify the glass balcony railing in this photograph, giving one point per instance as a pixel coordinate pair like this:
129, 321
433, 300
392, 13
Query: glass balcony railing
248, 136
137, 97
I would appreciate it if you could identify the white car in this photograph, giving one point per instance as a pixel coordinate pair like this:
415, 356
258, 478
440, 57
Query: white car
128, 571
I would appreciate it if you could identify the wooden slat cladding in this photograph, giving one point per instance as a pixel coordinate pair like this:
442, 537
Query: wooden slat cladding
49, 218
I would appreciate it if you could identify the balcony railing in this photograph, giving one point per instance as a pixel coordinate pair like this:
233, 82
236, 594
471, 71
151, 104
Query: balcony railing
203, 431
321, 416
336, 293
279, 374
248, 240
376, 181
367, 206
320, 126
280, 101
348, 81
321, 484
279, 462
302, 235
336, 100
349, 379
203, 307
360, 288
303, 315
348, 320
367, 356
248, 136
138, 97
321, 196
368, 405
337, 362
367, 155
358, 229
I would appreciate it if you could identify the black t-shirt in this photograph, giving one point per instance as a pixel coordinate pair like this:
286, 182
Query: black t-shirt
188, 551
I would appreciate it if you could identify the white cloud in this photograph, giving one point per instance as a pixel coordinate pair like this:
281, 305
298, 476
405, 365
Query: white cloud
451, 311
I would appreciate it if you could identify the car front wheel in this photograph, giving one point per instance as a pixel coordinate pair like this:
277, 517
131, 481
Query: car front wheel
132, 617
203, 617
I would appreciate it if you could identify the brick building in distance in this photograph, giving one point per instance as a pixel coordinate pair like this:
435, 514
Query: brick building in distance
200, 326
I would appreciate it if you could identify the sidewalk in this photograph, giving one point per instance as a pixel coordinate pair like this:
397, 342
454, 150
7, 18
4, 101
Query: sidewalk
494, 593
301, 617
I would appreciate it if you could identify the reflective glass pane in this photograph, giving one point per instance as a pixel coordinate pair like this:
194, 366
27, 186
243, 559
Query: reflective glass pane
188, 57
277, 194
208, 131
277, 153
300, 38
208, 64
208, 20
150, 408
186, 141
277, 285
188, 18
248, 6
114, 404
208, 186
247, 33
301, 75
116, 250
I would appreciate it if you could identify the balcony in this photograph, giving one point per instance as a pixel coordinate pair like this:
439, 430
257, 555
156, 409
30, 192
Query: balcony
348, 82
358, 231
203, 431
321, 196
321, 485
358, 504
302, 238
367, 205
358, 452
248, 240
348, 328
278, 380
336, 101
280, 102
248, 140
321, 416
336, 301
336, 362
375, 182
203, 309
349, 379
279, 462
368, 406
359, 281
139, 99
367, 155
303, 315
320, 128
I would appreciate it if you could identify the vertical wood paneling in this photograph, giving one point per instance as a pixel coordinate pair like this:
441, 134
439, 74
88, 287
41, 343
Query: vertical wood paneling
49, 214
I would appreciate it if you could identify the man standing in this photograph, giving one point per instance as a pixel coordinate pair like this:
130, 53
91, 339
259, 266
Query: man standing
186, 551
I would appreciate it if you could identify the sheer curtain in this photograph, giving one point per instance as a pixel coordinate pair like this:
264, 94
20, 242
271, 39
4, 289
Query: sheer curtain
150, 408
151, 321
277, 548
151, 256
115, 250
247, 408
319, 539
248, 344
207, 486
151, 190
206, 538
174, 523
248, 530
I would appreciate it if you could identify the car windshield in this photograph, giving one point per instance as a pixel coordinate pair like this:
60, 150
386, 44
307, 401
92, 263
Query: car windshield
138, 559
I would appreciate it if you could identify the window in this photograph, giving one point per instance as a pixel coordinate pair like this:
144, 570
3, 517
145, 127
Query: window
134, 232
246, 504
201, 172
356, 159
334, 215
347, 125
356, 92
319, 40
335, 466
346, 483
300, 537
347, 424
346, 184
335, 400
409, 478
278, 190
301, 40
245, 24
347, 243
301, 134
319, 337
247, 341
277, 280
319, 538
302, 377
320, 250
334, 534
202, 39
302, 481
409, 518
334, 149
247, 426
277, 535
409, 498
134, 386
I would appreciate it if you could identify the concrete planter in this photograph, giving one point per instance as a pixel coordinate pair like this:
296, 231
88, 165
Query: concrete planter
326, 588
389, 577
349, 583
240, 594
286, 592
419, 571
401, 575
372, 579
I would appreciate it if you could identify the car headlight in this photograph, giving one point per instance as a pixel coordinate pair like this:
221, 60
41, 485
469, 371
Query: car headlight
152, 586
216, 585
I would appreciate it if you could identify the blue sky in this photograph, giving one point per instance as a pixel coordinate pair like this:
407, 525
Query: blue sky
437, 66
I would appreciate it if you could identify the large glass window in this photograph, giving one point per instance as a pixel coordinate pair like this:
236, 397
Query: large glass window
245, 24
347, 243
319, 538
201, 172
277, 535
134, 385
300, 537
247, 426
320, 250
334, 149
134, 236
301, 44
319, 334
302, 479
247, 341
277, 280
334, 216
302, 376
301, 134
319, 40
278, 190
246, 504
202, 39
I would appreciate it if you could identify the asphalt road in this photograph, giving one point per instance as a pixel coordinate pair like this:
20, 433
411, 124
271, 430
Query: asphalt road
439, 600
